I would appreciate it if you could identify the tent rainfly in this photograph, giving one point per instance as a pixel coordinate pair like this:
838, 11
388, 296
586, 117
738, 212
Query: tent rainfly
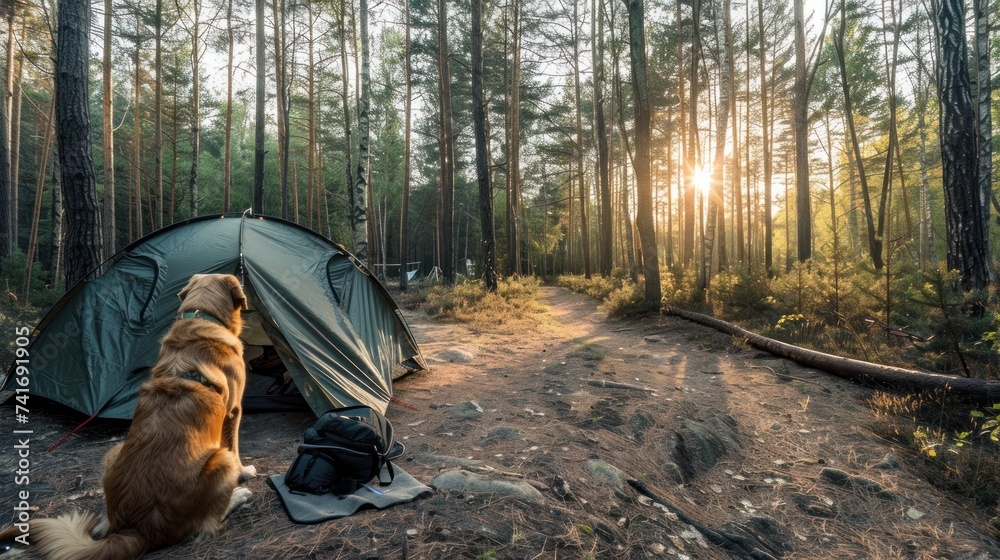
333, 325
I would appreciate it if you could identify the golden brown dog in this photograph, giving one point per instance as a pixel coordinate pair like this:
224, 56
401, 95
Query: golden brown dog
176, 473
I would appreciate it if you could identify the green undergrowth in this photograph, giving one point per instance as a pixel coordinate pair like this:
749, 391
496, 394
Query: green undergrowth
14, 320
16, 310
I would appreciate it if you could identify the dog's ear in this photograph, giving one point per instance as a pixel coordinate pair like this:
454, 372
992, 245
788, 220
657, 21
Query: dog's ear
187, 288
236, 291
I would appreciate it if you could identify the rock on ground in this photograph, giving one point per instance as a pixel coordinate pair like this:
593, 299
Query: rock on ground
465, 481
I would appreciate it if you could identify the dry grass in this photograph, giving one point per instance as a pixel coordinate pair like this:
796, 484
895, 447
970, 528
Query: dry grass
597, 287
930, 424
620, 297
512, 307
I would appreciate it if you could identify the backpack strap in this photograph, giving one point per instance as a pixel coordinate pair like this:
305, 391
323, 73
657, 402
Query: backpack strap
392, 474
394, 452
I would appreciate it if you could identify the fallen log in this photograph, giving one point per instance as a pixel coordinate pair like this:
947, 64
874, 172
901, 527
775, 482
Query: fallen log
981, 391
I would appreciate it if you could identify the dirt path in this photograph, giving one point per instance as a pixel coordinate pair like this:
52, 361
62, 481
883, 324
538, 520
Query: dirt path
702, 423
708, 401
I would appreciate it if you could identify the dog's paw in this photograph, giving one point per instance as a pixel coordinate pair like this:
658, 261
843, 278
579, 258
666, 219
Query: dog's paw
240, 497
242, 494
247, 472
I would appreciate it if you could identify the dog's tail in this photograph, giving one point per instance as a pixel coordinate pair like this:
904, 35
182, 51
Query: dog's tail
9, 534
67, 537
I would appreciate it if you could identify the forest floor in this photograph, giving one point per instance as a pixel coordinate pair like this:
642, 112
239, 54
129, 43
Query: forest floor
733, 438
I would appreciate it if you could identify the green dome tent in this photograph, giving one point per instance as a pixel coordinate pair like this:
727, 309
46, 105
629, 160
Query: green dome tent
333, 325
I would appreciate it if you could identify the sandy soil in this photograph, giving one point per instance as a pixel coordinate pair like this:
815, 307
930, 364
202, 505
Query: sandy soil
706, 425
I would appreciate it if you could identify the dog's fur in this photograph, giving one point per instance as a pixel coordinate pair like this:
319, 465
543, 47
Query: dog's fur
176, 473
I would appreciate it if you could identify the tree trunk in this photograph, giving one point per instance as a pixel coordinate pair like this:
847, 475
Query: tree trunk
984, 116
195, 110
766, 140
668, 214
489, 240
157, 205
746, 146
834, 230
928, 254
258, 160
684, 171
508, 143
295, 190
788, 217
355, 58
892, 148
874, 241
570, 222
514, 147
361, 187
135, 187
803, 211
404, 211
56, 244
227, 158
644, 187
15, 132
8, 186
108, 140
968, 239
174, 142
326, 199
603, 150
312, 198
584, 195
630, 246
79, 183
8, 239
281, 100
446, 148
716, 242
734, 106
626, 242
926, 241
36, 213
691, 152
344, 98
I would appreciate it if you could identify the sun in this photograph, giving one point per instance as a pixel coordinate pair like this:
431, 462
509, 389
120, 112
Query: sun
703, 180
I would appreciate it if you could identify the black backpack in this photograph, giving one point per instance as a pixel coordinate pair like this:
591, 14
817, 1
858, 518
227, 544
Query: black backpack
345, 448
